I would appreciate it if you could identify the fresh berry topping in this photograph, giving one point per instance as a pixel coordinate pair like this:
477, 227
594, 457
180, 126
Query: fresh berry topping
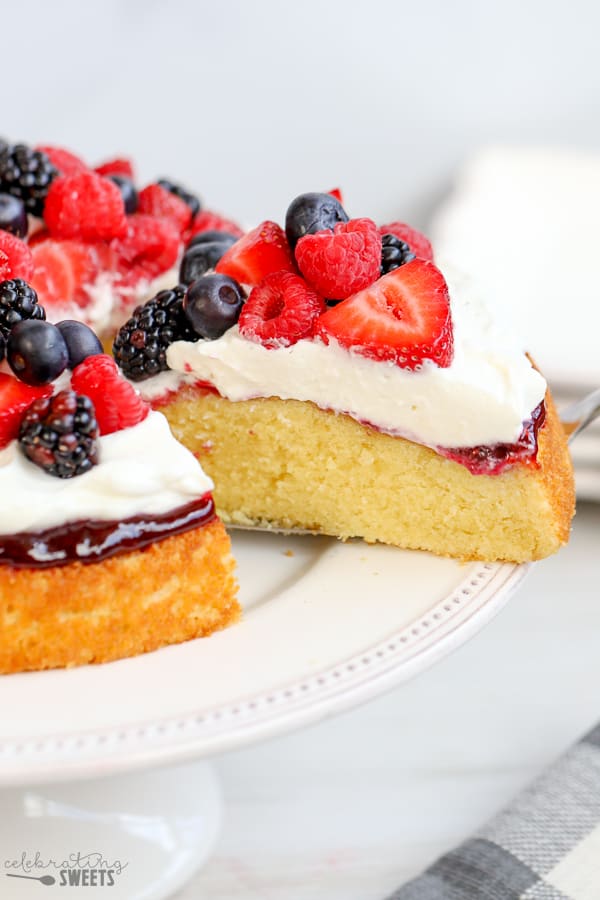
15, 258
213, 304
337, 193
340, 262
212, 221
178, 191
85, 207
2, 346
404, 317
310, 213
13, 215
36, 351
155, 200
140, 347
18, 301
15, 398
280, 311
417, 242
149, 248
206, 237
27, 174
63, 160
394, 253
128, 192
63, 271
81, 341
202, 256
259, 253
118, 404
59, 434
117, 167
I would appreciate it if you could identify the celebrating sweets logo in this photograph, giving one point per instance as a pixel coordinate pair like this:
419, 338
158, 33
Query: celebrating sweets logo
76, 870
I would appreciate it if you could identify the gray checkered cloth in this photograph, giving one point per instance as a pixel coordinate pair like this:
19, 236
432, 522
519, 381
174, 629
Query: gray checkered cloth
544, 846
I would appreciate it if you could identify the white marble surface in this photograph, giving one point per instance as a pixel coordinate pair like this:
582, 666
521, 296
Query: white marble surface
351, 808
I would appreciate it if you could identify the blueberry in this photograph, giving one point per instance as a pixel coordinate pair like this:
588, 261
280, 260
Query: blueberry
309, 213
205, 237
13, 216
199, 258
36, 351
128, 192
213, 304
183, 194
81, 341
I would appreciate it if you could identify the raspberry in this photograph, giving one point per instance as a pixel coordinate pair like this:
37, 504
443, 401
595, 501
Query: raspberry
116, 167
18, 301
15, 398
178, 190
63, 160
140, 347
339, 263
280, 311
85, 206
149, 248
156, 200
15, 258
212, 221
118, 404
59, 434
417, 242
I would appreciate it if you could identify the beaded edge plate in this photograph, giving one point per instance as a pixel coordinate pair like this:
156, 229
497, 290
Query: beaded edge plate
326, 626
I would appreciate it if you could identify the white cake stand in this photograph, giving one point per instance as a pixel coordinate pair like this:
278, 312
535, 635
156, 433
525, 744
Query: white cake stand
326, 626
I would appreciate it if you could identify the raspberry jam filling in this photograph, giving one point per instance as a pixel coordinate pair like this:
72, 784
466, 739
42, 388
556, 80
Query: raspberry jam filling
90, 542
495, 459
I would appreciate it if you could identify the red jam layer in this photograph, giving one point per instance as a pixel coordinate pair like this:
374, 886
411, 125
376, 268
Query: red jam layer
494, 460
91, 542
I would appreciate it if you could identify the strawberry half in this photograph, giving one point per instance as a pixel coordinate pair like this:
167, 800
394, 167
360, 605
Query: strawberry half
62, 271
404, 317
15, 398
259, 253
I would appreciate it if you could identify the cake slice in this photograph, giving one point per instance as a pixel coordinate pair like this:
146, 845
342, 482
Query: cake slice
337, 381
89, 242
109, 541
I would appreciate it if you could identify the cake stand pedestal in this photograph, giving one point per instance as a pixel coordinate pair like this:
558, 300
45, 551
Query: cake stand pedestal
138, 836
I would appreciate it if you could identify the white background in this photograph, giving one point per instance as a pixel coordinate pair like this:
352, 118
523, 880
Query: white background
250, 103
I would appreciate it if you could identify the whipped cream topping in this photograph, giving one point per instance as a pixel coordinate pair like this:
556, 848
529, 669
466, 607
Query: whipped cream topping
141, 470
483, 397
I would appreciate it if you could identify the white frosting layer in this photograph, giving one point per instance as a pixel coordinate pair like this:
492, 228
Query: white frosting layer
482, 398
142, 469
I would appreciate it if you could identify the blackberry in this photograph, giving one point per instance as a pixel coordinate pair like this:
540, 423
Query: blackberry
192, 201
394, 253
140, 347
18, 301
27, 174
59, 434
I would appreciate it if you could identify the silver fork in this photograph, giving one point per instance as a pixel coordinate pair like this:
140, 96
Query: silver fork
578, 415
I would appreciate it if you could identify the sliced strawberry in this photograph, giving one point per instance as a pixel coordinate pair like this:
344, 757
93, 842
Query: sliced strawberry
121, 166
15, 398
337, 193
259, 253
15, 257
62, 271
417, 242
404, 317
65, 161
206, 220
156, 200
150, 247
280, 311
